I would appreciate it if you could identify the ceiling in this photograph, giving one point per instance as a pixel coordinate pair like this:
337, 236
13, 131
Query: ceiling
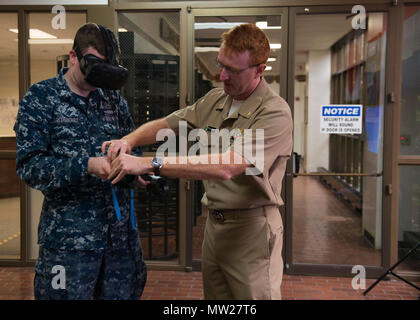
41, 21
313, 32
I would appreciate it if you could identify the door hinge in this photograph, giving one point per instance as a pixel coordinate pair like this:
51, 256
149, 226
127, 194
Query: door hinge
388, 189
391, 97
187, 185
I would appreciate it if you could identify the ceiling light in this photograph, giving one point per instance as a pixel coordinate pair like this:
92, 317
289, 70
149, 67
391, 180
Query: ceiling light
36, 34
264, 25
206, 49
275, 45
122, 30
268, 68
50, 41
216, 25
271, 59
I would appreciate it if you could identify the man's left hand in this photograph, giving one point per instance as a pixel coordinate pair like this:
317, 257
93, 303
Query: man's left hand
127, 164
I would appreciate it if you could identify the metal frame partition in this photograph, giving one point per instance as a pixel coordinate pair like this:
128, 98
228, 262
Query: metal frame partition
391, 108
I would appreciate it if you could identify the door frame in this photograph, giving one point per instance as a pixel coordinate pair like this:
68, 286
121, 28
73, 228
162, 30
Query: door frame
390, 145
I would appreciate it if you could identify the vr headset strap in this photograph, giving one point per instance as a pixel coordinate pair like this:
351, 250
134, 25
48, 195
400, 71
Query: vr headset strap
78, 53
110, 44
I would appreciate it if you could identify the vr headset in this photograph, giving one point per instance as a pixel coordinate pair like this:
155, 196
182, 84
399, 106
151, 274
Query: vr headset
105, 74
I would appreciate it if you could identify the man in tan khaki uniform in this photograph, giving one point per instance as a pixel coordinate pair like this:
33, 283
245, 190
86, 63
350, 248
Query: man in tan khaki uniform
242, 244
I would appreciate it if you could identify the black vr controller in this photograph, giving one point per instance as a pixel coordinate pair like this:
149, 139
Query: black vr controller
157, 186
105, 74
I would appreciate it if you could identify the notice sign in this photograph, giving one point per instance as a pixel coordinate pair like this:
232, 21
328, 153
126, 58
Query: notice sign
342, 119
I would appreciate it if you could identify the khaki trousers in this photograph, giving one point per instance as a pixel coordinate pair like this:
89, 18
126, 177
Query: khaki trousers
241, 256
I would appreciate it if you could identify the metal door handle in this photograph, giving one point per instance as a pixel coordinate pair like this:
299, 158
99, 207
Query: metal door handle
334, 174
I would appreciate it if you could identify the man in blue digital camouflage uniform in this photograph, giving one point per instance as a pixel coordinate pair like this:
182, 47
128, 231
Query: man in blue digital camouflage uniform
87, 231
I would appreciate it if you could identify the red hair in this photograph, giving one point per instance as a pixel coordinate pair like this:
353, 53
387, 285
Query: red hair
247, 37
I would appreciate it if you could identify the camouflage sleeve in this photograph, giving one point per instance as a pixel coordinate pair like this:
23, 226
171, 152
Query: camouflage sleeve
36, 163
127, 123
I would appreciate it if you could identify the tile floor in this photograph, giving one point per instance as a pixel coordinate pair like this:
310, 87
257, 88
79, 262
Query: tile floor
16, 283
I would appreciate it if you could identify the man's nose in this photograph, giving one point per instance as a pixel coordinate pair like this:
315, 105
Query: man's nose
223, 75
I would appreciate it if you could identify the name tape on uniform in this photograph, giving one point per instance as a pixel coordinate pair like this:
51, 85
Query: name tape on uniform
341, 119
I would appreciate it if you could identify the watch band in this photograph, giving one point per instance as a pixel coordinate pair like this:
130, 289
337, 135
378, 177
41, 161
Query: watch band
157, 163
156, 170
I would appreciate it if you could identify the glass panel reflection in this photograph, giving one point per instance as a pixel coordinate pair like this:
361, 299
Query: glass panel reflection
410, 89
409, 216
149, 44
338, 219
328, 229
47, 45
9, 211
9, 97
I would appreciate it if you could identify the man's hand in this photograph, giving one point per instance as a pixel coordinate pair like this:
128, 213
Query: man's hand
127, 164
99, 166
114, 147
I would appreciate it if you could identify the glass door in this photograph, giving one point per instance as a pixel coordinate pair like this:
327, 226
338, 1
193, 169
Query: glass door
10, 190
206, 27
335, 213
409, 155
150, 50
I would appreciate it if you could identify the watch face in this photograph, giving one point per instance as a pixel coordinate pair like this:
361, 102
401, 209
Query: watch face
157, 162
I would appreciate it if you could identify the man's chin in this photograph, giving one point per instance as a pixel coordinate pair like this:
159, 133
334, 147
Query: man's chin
227, 88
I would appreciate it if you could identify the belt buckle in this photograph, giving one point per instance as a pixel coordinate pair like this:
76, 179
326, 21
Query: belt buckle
218, 216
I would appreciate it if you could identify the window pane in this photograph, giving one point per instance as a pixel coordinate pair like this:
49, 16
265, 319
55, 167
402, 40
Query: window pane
9, 80
338, 219
9, 211
47, 45
409, 216
9, 98
410, 94
149, 44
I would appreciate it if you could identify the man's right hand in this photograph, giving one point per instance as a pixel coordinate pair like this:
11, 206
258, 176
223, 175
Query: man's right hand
99, 166
115, 147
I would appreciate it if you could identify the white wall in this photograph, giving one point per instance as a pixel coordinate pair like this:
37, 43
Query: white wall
319, 73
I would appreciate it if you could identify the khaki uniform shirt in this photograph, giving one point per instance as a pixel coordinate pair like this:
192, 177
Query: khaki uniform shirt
263, 109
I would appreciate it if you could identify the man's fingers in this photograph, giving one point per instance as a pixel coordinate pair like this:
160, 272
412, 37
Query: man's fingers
119, 177
105, 146
115, 169
142, 183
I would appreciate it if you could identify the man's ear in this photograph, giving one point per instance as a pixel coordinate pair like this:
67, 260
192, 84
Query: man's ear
260, 69
72, 57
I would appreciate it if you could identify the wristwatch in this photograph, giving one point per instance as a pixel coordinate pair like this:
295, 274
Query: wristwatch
157, 163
